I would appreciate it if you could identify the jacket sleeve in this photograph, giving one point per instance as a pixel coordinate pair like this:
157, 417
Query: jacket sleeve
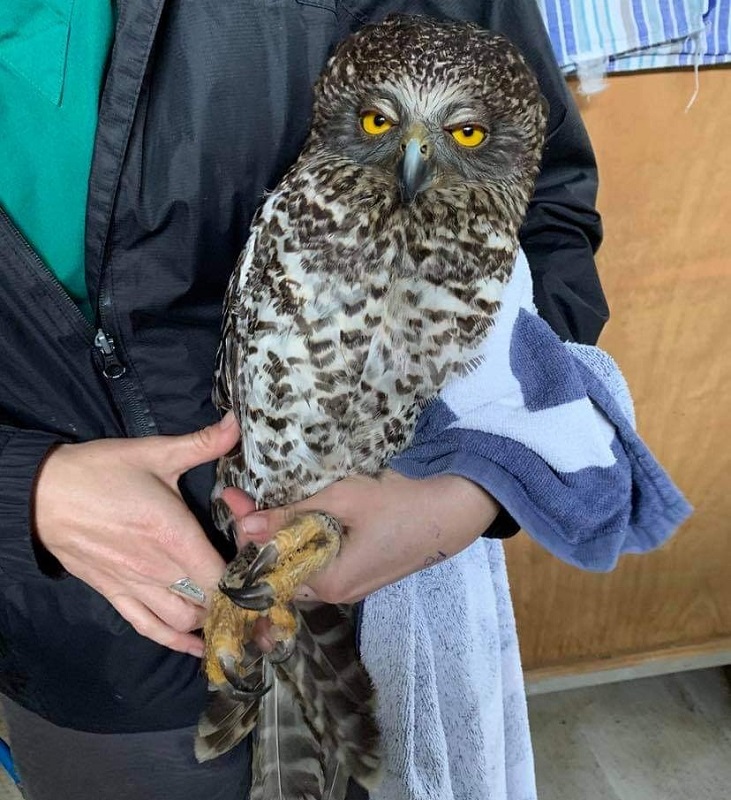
22, 453
562, 230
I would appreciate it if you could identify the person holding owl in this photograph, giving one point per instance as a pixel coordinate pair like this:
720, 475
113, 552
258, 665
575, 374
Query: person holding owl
173, 126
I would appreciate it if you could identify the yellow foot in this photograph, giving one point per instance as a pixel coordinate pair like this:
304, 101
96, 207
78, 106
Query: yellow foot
227, 632
263, 585
304, 546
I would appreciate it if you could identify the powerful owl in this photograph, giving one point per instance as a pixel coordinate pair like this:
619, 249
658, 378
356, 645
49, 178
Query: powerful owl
371, 275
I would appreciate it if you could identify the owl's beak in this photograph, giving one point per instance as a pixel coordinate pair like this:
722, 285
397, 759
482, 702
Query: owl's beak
414, 170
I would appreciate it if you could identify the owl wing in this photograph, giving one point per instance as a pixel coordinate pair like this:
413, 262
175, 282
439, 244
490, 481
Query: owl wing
298, 342
225, 392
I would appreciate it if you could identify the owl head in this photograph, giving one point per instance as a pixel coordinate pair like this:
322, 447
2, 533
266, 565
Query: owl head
423, 104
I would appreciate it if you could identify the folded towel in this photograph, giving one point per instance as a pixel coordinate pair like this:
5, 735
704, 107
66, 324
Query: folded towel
442, 650
547, 428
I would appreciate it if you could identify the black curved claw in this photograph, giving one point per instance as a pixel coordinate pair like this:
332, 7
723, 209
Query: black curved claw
244, 690
264, 561
282, 651
254, 598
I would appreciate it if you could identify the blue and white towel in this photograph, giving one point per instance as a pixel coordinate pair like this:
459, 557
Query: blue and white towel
624, 35
548, 429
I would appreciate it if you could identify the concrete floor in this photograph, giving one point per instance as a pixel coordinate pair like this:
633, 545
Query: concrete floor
666, 738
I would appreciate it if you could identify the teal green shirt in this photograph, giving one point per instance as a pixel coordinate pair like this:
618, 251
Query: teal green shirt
52, 59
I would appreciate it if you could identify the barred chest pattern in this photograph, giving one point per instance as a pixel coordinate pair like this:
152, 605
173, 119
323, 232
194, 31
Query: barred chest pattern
354, 314
373, 271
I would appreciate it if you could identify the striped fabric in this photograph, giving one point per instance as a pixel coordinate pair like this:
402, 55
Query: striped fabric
594, 36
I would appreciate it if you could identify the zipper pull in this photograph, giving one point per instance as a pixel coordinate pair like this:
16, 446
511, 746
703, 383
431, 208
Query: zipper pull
112, 368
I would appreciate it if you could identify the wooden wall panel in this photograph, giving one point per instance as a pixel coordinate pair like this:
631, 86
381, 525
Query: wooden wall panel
666, 267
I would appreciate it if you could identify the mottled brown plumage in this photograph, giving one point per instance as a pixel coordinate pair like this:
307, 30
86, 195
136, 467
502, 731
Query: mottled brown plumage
371, 275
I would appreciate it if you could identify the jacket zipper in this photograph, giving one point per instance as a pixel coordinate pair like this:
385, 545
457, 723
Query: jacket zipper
124, 388
112, 367
107, 359
136, 419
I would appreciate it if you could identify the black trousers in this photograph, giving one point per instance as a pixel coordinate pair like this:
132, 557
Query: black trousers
62, 764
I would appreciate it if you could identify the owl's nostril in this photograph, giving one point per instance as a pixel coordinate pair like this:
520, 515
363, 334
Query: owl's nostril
423, 148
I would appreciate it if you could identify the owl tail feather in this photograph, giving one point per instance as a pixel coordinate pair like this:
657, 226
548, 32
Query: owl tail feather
232, 707
313, 713
285, 764
335, 694
225, 722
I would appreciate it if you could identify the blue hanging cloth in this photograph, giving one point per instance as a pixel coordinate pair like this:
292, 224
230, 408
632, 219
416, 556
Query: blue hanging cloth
7, 761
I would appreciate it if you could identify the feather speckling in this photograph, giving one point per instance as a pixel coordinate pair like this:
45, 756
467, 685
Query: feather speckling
361, 292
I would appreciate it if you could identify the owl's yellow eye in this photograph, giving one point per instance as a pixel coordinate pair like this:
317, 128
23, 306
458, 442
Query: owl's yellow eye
375, 123
468, 135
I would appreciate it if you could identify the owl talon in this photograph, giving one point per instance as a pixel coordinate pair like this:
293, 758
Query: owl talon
282, 651
259, 597
265, 560
238, 681
263, 585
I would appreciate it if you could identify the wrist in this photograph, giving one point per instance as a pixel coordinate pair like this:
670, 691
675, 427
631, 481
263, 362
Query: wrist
473, 506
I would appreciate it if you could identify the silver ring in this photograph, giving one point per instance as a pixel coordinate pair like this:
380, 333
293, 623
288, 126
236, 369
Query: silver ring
189, 590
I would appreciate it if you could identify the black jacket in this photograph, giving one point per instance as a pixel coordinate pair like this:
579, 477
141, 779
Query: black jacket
204, 107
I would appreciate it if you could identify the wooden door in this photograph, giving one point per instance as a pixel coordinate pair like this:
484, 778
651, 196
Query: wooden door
665, 264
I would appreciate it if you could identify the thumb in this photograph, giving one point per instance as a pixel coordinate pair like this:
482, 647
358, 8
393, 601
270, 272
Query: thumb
200, 447
262, 525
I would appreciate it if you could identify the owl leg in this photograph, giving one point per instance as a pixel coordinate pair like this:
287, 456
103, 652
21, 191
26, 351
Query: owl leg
304, 546
263, 583
228, 659
234, 666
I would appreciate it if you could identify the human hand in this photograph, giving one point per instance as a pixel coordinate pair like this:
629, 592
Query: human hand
111, 512
395, 526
